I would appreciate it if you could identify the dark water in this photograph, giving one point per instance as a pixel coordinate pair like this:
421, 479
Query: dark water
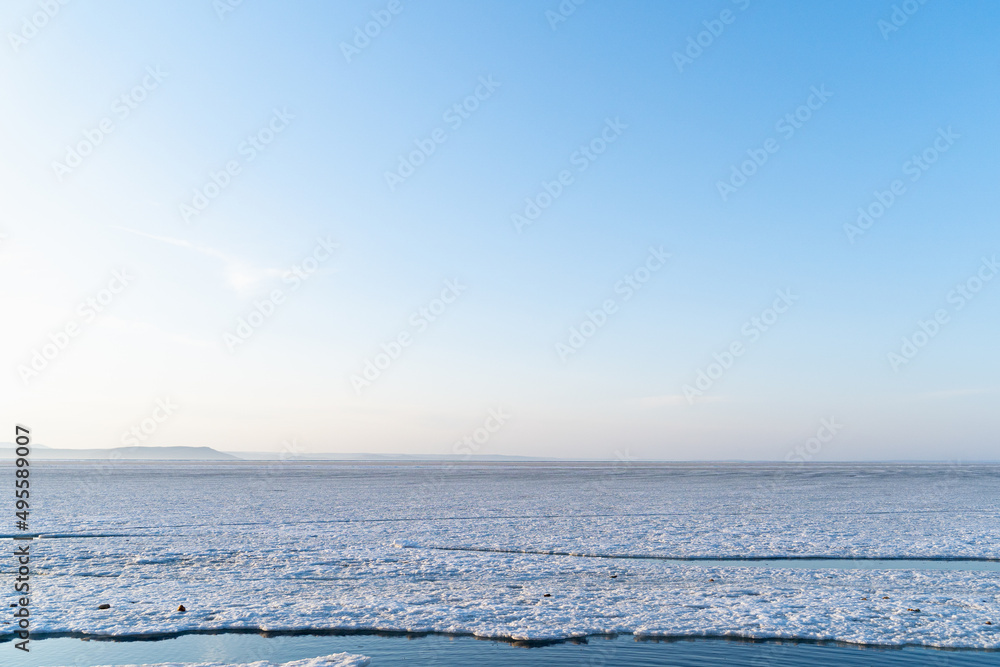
455, 651
803, 562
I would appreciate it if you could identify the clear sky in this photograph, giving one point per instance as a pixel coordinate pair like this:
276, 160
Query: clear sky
689, 174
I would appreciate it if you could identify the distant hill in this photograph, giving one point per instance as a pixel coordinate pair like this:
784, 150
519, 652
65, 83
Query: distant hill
362, 456
43, 453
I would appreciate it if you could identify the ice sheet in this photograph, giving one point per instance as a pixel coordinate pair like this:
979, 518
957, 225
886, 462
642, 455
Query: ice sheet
293, 546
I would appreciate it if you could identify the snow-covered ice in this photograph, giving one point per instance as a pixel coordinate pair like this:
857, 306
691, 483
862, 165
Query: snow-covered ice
473, 549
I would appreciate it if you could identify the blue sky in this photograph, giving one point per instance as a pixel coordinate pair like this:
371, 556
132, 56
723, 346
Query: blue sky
336, 125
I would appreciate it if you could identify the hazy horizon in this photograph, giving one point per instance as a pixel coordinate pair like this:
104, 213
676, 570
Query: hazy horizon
246, 456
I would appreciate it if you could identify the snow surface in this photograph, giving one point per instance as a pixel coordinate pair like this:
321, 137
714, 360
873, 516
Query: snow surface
275, 546
334, 660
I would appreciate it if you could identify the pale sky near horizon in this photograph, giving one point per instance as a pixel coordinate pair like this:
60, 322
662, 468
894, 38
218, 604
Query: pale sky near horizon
458, 191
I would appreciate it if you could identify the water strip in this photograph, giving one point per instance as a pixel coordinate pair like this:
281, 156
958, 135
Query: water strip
815, 562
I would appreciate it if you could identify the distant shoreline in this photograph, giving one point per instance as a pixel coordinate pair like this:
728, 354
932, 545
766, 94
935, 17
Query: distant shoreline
205, 455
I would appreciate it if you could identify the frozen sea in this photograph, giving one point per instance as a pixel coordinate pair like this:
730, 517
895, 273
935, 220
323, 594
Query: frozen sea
875, 554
